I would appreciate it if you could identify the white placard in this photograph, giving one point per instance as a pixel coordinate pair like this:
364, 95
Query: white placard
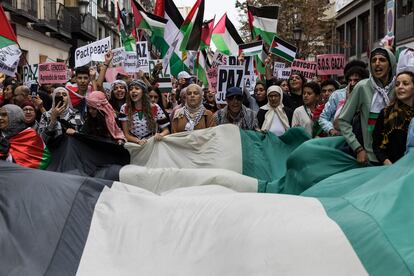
249, 81
143, 56
228, 76
283, 74
119, 56
30, 72
130, 62
92, 52
278, 66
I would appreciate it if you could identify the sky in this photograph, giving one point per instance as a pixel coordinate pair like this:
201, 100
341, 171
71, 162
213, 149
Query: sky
215, 7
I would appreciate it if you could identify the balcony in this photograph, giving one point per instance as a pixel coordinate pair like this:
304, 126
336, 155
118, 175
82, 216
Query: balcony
86, 30
404, 27
49, 21
22, 11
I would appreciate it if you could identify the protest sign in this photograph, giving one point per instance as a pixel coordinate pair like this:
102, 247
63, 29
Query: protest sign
92, 52
30, 72
228, 76
130, 62
54, 72
283, 74
219, 59
112, 72
164, 73
249, 81
142, 56
9, 59
212, 79
332, 64
277, 66
306, 68
119, 56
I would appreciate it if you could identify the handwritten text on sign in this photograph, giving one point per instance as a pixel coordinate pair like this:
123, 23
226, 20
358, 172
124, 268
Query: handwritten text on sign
52, 73
306, 68
228, 76
333, 64
92, 52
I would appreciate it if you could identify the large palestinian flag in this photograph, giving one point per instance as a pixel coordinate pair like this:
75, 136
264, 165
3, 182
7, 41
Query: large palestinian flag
9, 49
128, 41
197, 219
192, 27
169, 46
226, 38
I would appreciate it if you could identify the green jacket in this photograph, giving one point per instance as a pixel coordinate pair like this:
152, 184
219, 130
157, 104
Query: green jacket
360, 101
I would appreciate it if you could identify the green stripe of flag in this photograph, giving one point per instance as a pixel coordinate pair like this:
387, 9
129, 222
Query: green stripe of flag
282, 54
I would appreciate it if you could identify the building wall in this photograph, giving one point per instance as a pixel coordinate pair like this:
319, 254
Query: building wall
38, 44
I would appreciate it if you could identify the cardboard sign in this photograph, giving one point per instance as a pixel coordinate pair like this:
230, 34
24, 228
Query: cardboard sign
165, 73
212, 79
131, 62
332, 64
219, 59
119, 56
52, 73
278, 66
306, 68
283, 74
92, 52
112, 72
143, 56
228, 76
30, 72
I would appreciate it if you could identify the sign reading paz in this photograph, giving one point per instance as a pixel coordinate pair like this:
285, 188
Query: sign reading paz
52, 73
142, 56
228, 76
92, 52
333, 64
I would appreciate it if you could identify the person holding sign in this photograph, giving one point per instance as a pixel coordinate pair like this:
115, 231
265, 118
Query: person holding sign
193, 115
139, 118
235, 112
302, 116
274, 116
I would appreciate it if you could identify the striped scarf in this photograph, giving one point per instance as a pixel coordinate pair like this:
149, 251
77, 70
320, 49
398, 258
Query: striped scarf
193, 116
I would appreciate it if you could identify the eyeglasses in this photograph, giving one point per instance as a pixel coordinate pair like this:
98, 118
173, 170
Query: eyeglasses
235, 97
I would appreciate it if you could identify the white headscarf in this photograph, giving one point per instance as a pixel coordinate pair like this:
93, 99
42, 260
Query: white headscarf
271, 111
69, 104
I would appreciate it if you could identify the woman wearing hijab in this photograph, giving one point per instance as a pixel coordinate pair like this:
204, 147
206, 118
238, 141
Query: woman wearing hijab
18, 143
193, 115
61, 118
100, 119
119, 90
273, 116
391, 127
140, 118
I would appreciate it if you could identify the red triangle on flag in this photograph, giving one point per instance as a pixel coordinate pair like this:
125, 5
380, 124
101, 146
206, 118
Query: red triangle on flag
274, 44
6, 29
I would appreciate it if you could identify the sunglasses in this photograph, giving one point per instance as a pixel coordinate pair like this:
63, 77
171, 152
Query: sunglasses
235, 97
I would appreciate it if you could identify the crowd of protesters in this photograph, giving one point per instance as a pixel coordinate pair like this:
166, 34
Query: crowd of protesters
372, 107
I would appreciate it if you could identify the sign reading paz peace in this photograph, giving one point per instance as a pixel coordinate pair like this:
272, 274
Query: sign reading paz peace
92, 52
142, 56
333, 64
52, 73
306, 68
228, 76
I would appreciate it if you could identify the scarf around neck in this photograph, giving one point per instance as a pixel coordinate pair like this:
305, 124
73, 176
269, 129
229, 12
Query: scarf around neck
193, 115
279, 112
381, 97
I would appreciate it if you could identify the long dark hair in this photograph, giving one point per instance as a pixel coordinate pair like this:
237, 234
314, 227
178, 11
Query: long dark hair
146, 108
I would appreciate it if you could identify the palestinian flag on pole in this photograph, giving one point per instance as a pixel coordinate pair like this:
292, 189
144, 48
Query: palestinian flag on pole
9, 48
28, 149
206, 33
283, 49
169, 45
226, 38
128, 41
192, 27
148, 21
201, 66
251, 49
343, 219
263, 22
